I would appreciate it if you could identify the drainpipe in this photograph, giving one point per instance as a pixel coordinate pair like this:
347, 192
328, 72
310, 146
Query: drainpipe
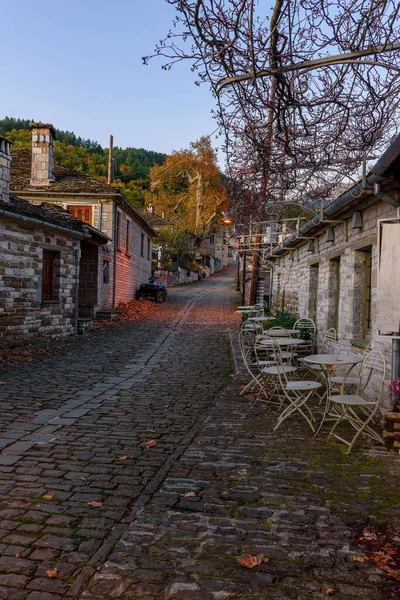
115, 255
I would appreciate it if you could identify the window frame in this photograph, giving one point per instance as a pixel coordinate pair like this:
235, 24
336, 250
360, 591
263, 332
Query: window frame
148, 248
76, 207
142, 244
118, 228
128, 238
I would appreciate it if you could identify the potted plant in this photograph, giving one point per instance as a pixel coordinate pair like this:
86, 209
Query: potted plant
394, 388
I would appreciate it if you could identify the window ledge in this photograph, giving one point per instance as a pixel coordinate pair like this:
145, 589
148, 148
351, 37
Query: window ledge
360, 343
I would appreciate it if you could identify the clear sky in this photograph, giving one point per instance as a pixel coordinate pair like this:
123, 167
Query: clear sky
77, 64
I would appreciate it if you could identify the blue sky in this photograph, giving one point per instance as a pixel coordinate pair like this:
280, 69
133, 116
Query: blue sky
77, 64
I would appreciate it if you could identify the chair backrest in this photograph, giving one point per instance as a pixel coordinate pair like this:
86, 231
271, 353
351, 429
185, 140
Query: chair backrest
276, 328
307, 325
277, 352
373, 372
329, 339
247, 337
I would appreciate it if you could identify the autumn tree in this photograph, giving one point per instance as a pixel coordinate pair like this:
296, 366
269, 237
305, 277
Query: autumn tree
189, 188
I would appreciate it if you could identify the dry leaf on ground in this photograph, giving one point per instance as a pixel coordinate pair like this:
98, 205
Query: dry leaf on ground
189, 494
151, 444
252, 560
52, 573
329, 591
359, 558
17, 555
95, 504
121, 458
48, 496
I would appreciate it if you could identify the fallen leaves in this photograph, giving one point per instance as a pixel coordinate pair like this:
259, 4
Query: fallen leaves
151, 444
359, 558
94, 504
52, 573
121, 457
48, 496
190, 494
129, 311
17, 555
382, 550
252, 560
329, 591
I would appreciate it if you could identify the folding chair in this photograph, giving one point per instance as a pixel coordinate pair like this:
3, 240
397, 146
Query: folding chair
295, 392
340, 381
247, 337
358, 409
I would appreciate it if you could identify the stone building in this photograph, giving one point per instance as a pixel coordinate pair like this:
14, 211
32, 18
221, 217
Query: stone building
125, 260
46, 263
329, 271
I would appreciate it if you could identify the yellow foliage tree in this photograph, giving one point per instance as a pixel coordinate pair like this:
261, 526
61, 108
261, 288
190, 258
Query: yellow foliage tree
189, 188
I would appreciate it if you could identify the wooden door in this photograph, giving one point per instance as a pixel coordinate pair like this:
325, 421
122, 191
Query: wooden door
84, 213
47, 275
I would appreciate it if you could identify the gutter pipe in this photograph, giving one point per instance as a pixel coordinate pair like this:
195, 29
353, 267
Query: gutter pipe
45, 224
357, 191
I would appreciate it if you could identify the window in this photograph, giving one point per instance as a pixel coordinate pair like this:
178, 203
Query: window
84, 213
363, 297
50, 276
148, 248
142, 245
128, 237
118, 231
106, 271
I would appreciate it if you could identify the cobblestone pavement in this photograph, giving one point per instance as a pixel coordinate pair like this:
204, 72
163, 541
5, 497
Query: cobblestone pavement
78, 425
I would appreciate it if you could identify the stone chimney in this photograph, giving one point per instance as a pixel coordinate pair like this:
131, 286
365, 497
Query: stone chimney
5, 159
43, 137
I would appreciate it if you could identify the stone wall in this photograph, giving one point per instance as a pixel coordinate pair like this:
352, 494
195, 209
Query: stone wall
328, 284
179, 277
23, 314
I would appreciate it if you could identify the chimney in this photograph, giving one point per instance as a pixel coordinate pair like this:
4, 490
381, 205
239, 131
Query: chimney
43, 137
5, 159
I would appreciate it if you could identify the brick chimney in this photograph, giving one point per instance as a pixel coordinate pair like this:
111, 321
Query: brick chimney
43, 137
5, 159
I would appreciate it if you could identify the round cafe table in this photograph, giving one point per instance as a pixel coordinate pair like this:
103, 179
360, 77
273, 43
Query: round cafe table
331, 360
261, 318
281, 341
282, 332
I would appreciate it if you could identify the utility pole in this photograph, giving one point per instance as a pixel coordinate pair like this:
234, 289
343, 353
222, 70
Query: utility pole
110, 162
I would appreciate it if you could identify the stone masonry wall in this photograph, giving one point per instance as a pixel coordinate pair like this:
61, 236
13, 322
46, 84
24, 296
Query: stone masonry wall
23, 315
170, 278
306, 283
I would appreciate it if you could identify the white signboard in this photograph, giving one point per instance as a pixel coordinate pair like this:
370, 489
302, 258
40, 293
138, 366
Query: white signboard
388, 312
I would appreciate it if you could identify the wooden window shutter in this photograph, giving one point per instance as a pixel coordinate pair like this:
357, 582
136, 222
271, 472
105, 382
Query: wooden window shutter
84, 213
118, 230
47, 275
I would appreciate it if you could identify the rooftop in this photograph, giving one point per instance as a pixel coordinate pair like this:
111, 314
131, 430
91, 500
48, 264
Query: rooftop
50, 213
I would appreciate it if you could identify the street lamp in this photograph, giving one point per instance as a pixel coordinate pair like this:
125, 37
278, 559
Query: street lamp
227, 219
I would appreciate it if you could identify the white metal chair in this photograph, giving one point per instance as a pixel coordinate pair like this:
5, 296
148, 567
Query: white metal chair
247, 337
360, 410
295, 392
309, 328
340, 381
270, 373
328, 341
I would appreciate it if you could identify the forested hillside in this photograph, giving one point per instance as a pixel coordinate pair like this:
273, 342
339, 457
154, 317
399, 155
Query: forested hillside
131, 165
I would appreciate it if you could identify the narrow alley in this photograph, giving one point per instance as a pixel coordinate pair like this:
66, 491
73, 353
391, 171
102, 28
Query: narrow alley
131, 468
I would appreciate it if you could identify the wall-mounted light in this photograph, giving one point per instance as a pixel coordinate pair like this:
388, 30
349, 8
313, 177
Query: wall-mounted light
329, 235
311, 246
356, 220
227, 219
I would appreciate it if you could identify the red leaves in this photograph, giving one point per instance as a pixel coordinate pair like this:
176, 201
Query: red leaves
151, 444
252, 560
95, 504
52, 573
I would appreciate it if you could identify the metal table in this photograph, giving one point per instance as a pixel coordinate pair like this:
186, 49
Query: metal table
329, 360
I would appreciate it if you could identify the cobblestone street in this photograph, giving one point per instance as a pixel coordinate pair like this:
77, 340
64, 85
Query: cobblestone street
144, 421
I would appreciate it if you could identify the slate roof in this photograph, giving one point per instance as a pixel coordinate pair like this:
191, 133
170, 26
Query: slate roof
50, 213
67, 181
156, 220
